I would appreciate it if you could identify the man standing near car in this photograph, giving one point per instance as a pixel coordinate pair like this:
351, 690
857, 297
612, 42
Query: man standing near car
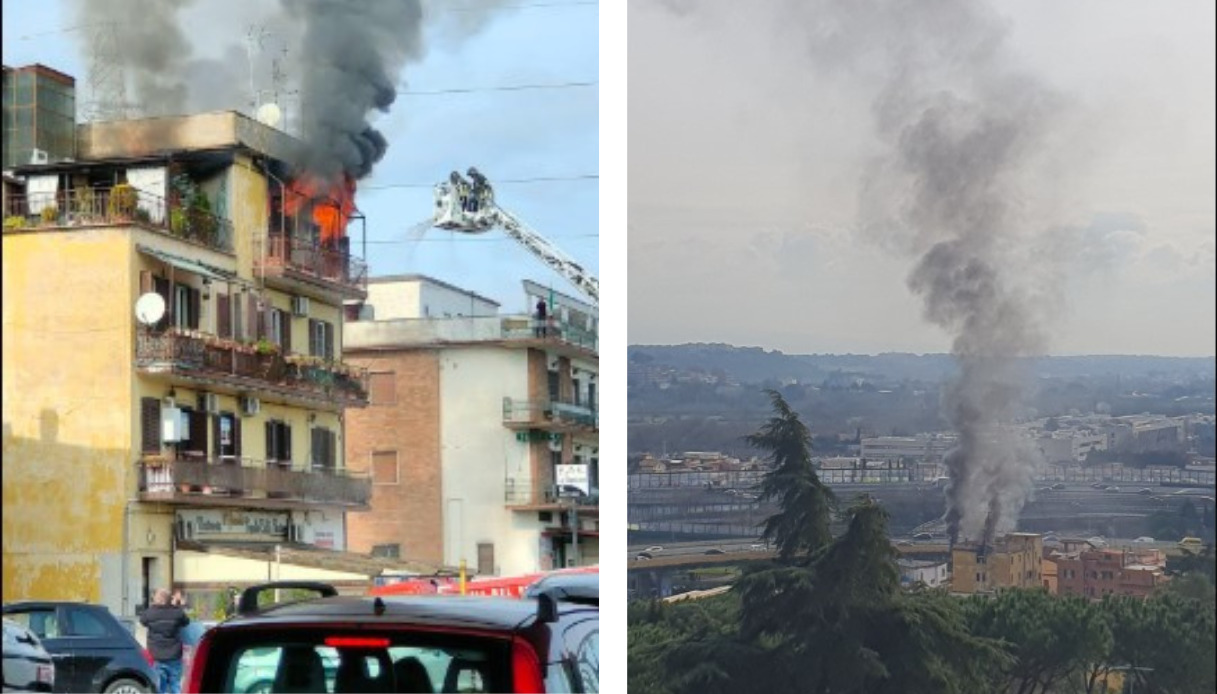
164, 620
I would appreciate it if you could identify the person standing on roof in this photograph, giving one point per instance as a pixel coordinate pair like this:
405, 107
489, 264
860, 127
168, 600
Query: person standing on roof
542, 317
165, 619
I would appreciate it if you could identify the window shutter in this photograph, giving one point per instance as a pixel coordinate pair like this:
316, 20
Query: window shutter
329, 341
163, 287
251, 317
285, 448
332, 449
145, 282
150, 425
272, 448
315, 448
236, 436
198, 432
215, 434
287, 331
196, 301
223, 316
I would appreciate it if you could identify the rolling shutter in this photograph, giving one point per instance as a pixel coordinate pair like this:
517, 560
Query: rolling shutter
223, 316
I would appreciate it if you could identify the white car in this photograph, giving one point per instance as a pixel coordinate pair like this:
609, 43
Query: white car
1143, 540
27, 665
653, 549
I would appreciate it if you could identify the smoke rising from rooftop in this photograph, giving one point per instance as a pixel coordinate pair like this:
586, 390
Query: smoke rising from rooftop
344, 58
962, 127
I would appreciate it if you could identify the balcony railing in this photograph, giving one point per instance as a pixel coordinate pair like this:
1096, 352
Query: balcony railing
527, 327
283, 254
549, 413
85, 207
208, 356
524, 493
194, 480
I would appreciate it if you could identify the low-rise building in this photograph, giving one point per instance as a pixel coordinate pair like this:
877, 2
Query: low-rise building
1094, 573
931, 574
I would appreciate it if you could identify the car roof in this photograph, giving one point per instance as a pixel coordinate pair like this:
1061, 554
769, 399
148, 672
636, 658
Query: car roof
53, 603
579, 588
492, 613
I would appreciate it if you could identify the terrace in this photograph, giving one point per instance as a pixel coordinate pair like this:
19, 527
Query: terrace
238, 482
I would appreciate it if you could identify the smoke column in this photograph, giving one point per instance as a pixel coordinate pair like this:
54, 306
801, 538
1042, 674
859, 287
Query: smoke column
345, 57
962, 126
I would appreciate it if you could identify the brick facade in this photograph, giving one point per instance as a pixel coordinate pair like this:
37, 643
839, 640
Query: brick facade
409, 512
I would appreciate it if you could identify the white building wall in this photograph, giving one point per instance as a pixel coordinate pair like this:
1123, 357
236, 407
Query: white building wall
393, 300
422, 298
479, 453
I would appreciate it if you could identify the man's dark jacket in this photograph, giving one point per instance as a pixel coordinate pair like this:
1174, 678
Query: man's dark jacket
164, 624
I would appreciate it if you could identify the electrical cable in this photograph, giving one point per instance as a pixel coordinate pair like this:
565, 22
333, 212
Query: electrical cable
500, 181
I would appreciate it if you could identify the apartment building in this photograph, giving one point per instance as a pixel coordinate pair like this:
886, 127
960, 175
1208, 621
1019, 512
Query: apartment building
1013, 561
173, 374
482, 432
1098, 572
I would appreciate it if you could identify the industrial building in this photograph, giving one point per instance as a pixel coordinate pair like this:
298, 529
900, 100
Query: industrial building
482, 433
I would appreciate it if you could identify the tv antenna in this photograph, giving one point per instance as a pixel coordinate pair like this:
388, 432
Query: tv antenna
254, 39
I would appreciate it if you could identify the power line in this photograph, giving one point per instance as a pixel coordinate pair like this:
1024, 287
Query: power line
503, 88
535, 179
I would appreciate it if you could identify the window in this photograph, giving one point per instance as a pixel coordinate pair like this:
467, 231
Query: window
278, 442
321, 339
382, 388
226, 428
384, 467
43, 622
325, 448
553, 386
486, 559
195, 443
84, 623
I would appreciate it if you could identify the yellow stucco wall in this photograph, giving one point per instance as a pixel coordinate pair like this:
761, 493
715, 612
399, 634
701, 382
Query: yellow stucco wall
67, 365
247, 208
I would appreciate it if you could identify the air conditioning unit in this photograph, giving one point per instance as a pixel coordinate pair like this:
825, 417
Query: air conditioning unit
552, 363
209, 403
172, 430
300, 306
39, 156
250, 406
555, 444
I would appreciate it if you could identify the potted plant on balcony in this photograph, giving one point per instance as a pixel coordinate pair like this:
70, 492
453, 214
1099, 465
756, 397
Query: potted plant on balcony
84, 205
49, 216
123, 200
270, 361
15, 222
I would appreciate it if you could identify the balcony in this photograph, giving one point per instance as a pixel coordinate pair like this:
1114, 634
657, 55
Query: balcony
525, 496
300, 265
520, 331
117, 206
239, 368
550, 415
244, 482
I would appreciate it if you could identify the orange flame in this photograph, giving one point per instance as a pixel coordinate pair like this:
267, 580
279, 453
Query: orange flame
333, 203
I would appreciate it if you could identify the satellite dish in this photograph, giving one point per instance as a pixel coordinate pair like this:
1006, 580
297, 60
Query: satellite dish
150, 308
270, 114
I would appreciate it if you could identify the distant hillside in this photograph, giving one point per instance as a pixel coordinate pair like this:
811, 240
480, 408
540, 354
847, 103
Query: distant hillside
756, 365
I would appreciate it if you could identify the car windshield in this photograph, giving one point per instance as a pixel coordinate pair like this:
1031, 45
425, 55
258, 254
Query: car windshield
356, 661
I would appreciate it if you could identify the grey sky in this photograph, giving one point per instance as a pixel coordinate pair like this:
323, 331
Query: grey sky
746, 155
473, 44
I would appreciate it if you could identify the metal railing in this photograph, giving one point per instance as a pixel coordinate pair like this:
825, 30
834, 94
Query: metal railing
525, 493
277, 252
84, 207
211, 356
543, 412
526, 327
243, 477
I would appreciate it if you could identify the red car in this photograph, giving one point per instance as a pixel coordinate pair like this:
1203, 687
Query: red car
431, 643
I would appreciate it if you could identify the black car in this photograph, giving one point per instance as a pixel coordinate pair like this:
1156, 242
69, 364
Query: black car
93, 651
431, 643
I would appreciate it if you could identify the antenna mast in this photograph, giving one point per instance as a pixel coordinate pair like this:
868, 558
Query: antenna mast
107, 78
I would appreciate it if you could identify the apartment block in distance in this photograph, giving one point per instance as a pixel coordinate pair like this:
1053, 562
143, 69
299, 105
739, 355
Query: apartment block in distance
1012, 561
173, 374
475, 417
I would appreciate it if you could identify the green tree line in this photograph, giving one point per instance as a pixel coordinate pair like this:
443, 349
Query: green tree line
829, 616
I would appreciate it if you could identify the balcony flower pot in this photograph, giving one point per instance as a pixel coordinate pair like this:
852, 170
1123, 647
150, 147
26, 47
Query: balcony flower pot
123, 200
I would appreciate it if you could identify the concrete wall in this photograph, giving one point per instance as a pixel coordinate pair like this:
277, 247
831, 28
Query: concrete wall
206, 568
67, 465
423, 298
419, 331
479, 453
